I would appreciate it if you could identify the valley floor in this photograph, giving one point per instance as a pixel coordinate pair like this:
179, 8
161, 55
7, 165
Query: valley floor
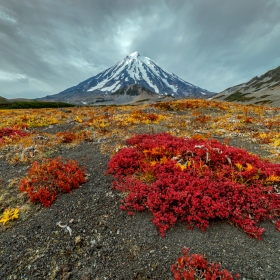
105, 242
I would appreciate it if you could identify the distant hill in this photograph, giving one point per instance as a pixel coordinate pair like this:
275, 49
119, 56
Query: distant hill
21, 100
259, 90
133, 69
3, 100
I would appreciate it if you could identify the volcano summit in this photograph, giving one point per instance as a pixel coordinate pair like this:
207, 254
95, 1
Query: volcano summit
133, 69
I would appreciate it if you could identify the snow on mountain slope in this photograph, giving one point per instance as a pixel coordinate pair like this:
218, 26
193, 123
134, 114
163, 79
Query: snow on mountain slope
133, 69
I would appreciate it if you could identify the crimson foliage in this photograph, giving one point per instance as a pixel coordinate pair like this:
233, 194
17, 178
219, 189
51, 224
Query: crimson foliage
45, 180
192, 267
11, 133
196, 180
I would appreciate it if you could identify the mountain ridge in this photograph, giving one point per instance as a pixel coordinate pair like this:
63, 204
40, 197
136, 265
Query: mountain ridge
258, 90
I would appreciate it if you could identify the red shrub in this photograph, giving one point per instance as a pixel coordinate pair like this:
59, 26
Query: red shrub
67, 137
11, 133
45, 180
192, 267
151, 117
196, 180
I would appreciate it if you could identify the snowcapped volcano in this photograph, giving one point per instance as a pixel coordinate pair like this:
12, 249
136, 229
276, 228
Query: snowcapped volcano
133, 69
136, 69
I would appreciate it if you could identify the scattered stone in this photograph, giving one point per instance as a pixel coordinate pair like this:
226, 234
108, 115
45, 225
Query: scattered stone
78, 239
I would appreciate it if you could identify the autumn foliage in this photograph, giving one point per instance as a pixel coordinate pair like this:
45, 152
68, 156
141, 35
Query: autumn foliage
67, 137
196, 180
9, 215
194, 267
11, 133
45, 180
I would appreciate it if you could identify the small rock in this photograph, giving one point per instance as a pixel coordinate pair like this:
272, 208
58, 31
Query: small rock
78, 239
66, 268
67, 276
98, 246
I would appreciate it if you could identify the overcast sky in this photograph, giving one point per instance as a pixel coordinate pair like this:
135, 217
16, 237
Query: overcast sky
47, 46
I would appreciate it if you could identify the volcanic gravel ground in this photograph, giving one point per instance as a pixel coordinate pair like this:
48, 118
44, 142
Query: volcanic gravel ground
107, 243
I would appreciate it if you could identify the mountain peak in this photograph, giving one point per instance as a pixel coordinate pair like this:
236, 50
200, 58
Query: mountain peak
133, 69
134, 54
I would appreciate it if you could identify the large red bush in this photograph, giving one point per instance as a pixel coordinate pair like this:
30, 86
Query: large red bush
195, 267
45, 180
196, 180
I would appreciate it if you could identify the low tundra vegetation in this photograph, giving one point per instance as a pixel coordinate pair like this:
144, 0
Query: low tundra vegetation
195, 267
45, 180
196, 180
164, 159
7, 134
254, 124
9, 215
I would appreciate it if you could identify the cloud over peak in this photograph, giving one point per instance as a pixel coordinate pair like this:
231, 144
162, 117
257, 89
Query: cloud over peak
213, 44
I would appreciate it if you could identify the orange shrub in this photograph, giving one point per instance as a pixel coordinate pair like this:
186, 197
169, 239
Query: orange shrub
45, 180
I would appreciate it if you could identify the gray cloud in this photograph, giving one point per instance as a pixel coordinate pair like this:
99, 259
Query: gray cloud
48, 46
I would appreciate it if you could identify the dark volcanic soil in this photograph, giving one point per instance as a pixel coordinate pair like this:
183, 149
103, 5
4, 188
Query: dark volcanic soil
107, 243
